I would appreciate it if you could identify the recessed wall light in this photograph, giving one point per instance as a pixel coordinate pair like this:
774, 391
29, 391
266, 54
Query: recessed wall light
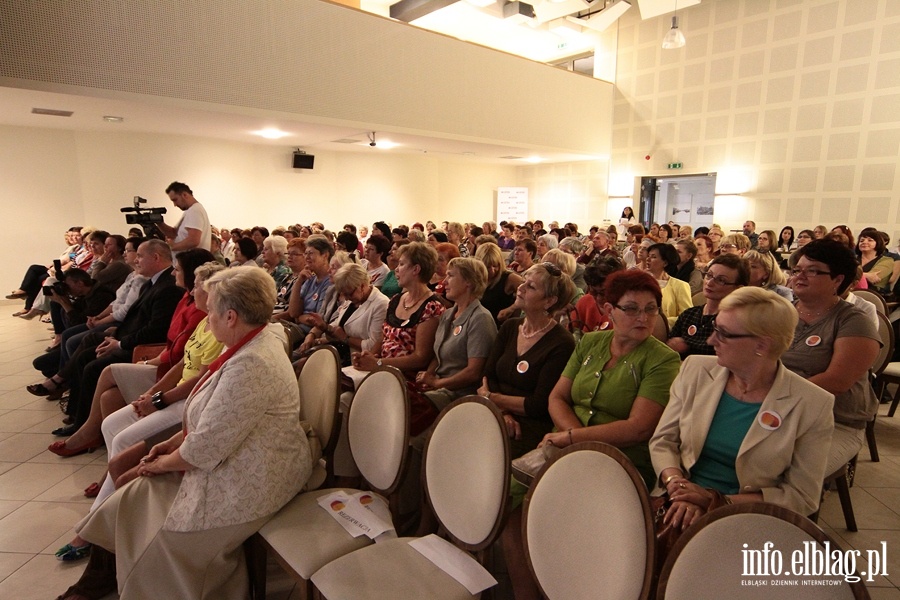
271, 133
112, 119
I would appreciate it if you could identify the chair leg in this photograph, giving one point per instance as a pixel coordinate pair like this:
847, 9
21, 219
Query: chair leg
257, 557
843, 489
894, 402
870, 439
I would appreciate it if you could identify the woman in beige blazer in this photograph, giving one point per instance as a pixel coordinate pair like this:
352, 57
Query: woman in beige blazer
176, 531
740, 423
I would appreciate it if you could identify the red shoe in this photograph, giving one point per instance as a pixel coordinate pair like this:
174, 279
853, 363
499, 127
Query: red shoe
92, 490
60, 449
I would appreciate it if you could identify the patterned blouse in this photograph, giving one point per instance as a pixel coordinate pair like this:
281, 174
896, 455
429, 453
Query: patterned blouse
400, 334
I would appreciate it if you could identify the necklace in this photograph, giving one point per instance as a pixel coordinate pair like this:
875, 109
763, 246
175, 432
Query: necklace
814, 314
536, 332
409, 306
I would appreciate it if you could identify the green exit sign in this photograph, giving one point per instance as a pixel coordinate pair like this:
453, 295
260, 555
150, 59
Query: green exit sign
675, 165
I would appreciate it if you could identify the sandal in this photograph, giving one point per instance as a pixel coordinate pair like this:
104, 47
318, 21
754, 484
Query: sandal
20, 313
45, 388
16, 295
70, 553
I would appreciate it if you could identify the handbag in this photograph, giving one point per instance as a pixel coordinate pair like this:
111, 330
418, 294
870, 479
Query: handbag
525, 468
667, 535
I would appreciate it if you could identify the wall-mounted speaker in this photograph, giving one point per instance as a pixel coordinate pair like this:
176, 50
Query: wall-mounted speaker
302, 160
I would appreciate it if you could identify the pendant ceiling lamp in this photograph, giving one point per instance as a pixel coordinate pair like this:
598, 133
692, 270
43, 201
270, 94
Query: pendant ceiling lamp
674, 38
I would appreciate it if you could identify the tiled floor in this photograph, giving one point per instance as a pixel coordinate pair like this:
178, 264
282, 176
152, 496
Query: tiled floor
41, 494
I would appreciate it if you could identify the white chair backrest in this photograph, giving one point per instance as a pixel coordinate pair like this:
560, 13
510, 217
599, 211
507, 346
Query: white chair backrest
587, 527
709, 560
319, 383
873, 297
466, 472
378, 428
886, 333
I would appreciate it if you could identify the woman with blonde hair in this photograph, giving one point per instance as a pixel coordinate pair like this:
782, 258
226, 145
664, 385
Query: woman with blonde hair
502, 284
740, 427
764, 273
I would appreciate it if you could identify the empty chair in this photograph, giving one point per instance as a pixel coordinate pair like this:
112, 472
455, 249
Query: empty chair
588, 528
302, 536
466, 477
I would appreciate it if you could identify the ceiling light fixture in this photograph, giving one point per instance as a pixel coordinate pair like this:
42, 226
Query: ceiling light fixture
601, 20
271, 133
674, 38
112, 119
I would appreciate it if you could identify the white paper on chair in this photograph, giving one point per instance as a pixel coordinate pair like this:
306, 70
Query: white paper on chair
454, 562
355, 374
361, 513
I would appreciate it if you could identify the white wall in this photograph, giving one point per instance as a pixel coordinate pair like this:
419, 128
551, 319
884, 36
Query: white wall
54, 179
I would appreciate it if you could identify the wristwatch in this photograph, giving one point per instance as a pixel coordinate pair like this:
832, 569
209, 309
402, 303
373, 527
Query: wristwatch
157, 401
378, 362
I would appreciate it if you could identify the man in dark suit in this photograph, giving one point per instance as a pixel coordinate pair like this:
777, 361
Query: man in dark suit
147, 322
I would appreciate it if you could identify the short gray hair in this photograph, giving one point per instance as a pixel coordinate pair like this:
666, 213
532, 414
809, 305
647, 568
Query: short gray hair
277, 243
248, 292
207, 270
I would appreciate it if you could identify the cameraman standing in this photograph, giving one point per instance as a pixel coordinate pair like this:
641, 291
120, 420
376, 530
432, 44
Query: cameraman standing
193, 230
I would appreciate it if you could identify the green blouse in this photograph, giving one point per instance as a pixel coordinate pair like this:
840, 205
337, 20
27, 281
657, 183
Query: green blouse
603, 396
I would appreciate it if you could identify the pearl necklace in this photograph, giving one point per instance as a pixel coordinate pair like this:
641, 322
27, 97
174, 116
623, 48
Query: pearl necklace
534, 333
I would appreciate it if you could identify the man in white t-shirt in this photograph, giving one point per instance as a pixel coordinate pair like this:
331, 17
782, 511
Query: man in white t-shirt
193, 230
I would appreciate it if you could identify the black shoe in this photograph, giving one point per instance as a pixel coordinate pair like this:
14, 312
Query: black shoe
66, 431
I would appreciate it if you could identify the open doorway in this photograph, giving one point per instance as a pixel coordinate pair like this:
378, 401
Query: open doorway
683, 199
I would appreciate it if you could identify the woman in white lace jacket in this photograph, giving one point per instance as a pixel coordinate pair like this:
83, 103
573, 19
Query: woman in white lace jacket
177, 531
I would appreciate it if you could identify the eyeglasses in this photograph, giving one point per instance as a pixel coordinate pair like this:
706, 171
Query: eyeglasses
808, 272
718, 279
634, 311
724, 335
728, 247
295, 254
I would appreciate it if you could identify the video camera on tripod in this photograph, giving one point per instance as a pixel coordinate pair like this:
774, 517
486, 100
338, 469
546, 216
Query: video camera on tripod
147, 218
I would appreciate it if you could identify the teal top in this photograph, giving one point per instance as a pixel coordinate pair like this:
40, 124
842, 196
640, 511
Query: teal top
390, 287
603, 396
715, 465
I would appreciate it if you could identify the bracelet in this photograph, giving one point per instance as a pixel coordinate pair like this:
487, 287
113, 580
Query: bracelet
570, 436
670, 478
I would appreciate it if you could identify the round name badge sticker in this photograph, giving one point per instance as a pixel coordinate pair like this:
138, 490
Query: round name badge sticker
813, 340
692, 330
316, 296
769, 419
457, 330
522, 367
605, 325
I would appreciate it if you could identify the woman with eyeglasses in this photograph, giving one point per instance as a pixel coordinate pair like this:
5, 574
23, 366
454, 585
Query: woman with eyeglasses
616, 383
715, 234
834, 343
690, 334
741, 427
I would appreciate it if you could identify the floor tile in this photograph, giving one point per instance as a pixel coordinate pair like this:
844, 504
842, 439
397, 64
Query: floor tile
22, 447
20, 420
10, 561
71, 489
36, 524
41, 577
29, 480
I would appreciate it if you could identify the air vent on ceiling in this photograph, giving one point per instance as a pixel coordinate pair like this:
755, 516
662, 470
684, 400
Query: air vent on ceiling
51, 112
512, 157
346, 141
